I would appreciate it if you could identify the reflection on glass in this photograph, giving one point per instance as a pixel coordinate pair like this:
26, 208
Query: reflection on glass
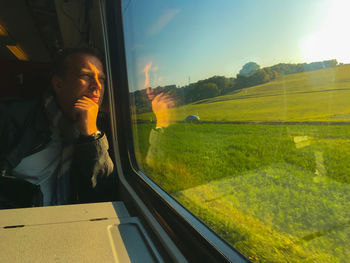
161, 103
241, 112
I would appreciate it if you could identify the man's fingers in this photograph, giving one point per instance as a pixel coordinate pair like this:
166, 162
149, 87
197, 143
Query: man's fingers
163, 100
88, 102
80, 103
80, 107
84, 98
160, 96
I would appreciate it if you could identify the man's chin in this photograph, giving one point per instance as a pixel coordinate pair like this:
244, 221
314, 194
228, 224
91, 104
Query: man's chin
94, 99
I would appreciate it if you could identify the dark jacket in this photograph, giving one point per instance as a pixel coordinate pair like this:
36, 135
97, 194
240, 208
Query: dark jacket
93, 176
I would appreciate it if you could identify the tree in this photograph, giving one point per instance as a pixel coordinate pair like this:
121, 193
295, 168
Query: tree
204, 91
249, 69
258, 77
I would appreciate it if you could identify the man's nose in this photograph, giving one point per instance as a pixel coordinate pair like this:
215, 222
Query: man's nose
95, 83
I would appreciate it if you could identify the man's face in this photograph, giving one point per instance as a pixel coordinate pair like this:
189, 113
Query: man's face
84, 77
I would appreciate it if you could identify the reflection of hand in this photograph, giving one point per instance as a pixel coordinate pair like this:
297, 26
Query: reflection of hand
161, 103
85, 113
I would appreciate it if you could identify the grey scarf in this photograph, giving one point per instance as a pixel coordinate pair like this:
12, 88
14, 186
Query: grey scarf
68, 134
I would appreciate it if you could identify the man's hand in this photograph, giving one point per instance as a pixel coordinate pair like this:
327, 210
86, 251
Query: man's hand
161, 103
85, 113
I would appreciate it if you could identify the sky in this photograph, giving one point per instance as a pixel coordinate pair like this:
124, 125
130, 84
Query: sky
180, 42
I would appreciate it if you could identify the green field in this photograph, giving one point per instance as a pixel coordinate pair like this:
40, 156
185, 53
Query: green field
321, 95
277, 193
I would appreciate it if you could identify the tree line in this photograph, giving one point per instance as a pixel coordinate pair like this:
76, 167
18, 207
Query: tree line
250, 75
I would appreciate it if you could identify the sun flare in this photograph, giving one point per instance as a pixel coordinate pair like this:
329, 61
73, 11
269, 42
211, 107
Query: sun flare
332, 39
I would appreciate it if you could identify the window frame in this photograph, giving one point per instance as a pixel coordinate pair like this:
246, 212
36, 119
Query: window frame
194, 239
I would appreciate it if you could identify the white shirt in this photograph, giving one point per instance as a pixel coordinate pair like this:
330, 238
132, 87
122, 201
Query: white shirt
41, 168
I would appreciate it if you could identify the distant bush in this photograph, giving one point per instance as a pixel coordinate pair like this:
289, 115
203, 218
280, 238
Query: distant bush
249, 68
204, 91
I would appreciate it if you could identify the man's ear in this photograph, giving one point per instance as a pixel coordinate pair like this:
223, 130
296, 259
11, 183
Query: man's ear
56, 83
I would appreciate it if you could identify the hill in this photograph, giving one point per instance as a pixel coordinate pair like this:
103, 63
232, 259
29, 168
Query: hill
321, 95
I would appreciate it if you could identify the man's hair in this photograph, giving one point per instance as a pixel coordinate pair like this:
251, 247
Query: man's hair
59, 64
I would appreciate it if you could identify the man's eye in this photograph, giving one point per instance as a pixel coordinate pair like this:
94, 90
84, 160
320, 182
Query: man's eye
90, 78
85, 77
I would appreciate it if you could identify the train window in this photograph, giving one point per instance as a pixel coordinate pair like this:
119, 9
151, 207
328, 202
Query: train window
240, 112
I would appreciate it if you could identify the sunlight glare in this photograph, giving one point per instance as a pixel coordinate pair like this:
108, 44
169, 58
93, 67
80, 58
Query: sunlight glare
331, 40
146, 70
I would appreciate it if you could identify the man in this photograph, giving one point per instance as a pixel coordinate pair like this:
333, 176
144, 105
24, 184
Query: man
55, 143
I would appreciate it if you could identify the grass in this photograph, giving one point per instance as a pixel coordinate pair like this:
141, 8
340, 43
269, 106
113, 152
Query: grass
271, 214
277, 193
260, 188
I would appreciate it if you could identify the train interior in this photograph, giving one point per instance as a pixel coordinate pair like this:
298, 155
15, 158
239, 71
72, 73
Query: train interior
31, 32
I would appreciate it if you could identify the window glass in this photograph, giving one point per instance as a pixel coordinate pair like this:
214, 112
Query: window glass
241, 113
